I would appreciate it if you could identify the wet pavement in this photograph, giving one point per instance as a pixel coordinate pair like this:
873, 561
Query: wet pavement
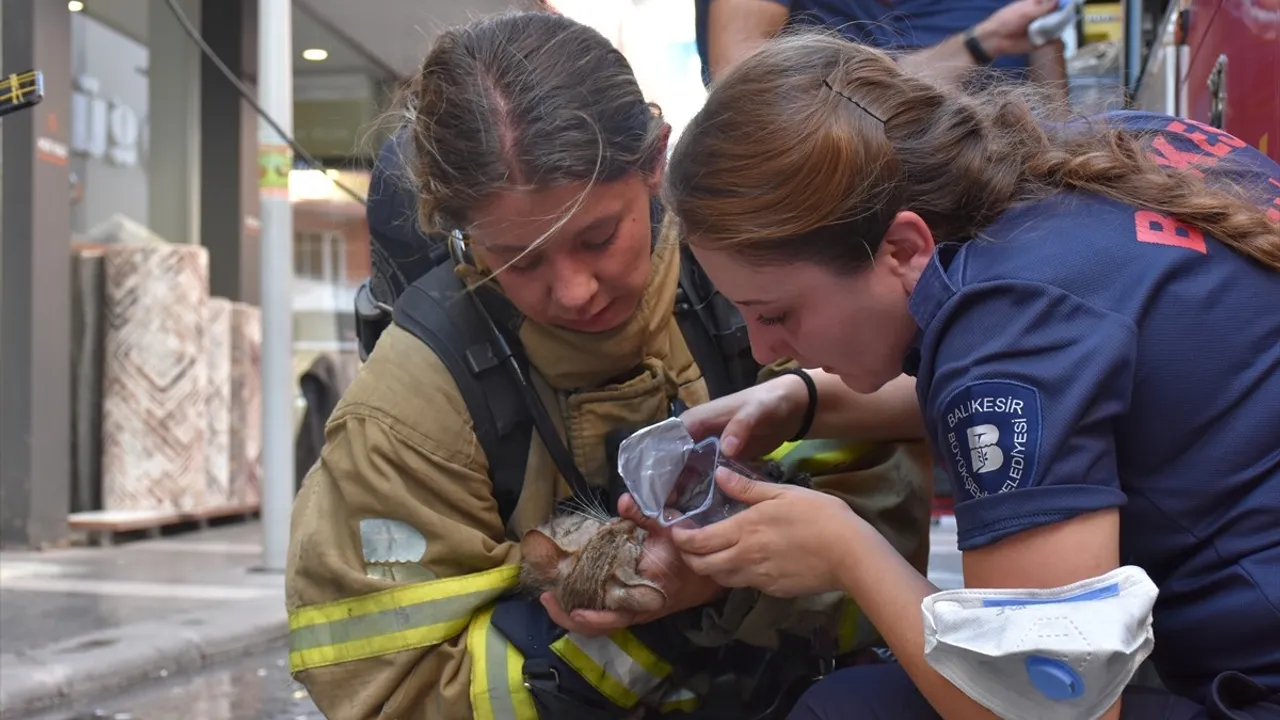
86, 622
50, 597
253, 688
259, 687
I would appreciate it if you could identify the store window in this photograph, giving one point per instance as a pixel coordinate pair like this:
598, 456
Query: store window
109, 132
321, 256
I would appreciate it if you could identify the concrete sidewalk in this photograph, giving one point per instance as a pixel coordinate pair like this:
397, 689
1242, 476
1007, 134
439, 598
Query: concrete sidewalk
85, 621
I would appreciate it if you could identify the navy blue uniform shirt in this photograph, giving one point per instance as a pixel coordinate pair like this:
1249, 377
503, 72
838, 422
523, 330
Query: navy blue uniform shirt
1084, 354
886, 24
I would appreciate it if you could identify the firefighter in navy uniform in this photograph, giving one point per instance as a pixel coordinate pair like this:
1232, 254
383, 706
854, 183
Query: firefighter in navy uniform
1089, 309
483, 404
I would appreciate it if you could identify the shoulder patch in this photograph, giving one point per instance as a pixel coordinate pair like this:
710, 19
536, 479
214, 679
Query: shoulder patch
384, 540
990, 430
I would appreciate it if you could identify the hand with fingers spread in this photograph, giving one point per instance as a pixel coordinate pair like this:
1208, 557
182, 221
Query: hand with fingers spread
752, 422
788, 543
660, 563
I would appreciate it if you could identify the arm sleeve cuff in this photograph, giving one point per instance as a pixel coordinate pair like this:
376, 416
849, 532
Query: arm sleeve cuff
993, 518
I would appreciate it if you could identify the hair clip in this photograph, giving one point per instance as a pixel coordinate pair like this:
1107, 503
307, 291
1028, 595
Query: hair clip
861, 107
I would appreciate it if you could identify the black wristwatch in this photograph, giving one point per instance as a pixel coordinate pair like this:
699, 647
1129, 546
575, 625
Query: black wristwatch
976, 51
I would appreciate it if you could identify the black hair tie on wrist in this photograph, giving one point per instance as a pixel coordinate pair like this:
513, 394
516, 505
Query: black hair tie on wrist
807, 423
974, 46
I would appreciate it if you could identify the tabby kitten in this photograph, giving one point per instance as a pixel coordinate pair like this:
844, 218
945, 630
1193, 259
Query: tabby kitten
589, 563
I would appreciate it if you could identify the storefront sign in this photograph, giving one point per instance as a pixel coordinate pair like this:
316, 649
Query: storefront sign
102, 128
51, 151
274, 164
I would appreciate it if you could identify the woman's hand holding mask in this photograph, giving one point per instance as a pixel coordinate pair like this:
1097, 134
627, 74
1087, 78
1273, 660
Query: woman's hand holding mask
752, 422
789, 543
661, 563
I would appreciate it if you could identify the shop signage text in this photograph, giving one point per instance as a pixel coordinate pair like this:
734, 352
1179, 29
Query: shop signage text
102, 128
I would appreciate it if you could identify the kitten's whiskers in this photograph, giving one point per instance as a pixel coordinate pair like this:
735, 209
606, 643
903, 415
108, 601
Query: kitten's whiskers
588, 508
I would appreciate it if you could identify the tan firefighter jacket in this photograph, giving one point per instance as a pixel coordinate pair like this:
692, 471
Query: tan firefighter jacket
397, 553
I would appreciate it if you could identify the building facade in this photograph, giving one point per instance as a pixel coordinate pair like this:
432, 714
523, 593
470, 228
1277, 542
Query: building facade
141, 139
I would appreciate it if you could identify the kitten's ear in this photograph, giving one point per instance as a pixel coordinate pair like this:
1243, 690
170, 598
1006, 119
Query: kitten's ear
541, 553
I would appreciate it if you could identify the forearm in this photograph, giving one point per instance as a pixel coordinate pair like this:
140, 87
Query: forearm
378, 617
890, 413
1049, 68
725, 52
890, 592
736, 28
395, 671
949, 61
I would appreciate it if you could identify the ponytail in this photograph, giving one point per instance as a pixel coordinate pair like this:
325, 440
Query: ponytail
1116, 165
811, 131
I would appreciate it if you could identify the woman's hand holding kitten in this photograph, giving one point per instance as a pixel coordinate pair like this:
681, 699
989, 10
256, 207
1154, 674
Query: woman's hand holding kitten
661, 564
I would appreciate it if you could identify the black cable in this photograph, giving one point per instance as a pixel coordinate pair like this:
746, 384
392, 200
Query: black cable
195, 36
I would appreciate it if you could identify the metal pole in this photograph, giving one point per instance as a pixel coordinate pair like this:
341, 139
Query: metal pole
275, 94
1132, 63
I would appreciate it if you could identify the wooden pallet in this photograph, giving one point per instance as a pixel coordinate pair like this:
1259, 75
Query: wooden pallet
105, 527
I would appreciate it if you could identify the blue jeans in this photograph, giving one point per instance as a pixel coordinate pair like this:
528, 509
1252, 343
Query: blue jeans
885, 692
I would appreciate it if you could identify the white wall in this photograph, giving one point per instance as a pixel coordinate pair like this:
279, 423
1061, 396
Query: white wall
659, 39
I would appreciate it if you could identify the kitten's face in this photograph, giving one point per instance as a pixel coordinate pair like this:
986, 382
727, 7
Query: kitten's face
589, 564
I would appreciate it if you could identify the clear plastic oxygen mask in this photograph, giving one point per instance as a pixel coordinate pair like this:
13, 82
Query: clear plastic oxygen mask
672, 478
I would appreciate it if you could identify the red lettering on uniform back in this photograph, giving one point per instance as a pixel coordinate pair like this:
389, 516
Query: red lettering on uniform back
1167, 155
1153, 227
1273, 213
1210, 139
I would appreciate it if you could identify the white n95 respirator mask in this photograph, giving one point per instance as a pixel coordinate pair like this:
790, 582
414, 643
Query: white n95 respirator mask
1059, 654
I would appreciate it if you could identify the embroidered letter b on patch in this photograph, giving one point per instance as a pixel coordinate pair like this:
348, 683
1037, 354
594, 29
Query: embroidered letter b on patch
991, 432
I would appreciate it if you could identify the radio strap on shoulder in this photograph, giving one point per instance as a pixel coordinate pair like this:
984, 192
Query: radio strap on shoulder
714, 332
434, 310
512, 355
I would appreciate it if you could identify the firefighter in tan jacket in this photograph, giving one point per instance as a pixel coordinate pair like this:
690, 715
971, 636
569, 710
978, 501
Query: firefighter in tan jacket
399, 558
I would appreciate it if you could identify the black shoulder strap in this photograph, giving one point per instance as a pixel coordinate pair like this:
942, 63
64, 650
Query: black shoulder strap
712, 327
714, 330
436, 309
475, 334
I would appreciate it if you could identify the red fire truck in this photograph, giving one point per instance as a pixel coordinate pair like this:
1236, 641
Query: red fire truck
1215, 61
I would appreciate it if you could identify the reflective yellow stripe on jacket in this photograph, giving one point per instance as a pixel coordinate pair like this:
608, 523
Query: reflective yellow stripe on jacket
400, 618
619, 666
497, 674
819, 457
679, 700
854, 631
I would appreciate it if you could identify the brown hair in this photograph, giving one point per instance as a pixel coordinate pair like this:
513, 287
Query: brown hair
813, 141
523, 100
